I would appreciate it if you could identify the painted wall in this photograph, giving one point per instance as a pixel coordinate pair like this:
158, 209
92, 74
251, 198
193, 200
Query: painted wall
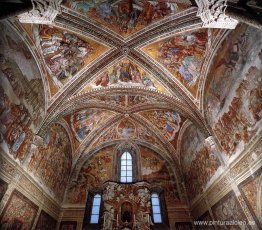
233, 96
51, 162
19, 212
199, 161
229, 209
236, 195
93, 173
21, 95
24, 204
3, 188
45, 222
155, 170
252, 193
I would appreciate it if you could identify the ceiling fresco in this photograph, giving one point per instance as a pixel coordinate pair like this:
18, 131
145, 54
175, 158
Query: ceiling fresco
94, 171
126, 129
232, 98
198, 161
167, 122
51, 161
82, 122
65, 53
22, 105
125, 73
125, 17
182, 55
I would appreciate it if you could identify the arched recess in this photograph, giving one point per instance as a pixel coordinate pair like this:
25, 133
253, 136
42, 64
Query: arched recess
199, 160
80, 100
51, 161
92, 152
20, 31
134, 151
86, 145
86, 99
77, 194
22, 92
230, 102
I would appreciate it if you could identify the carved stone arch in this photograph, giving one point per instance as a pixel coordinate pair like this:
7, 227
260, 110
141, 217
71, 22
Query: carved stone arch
98, 132
88, 105
67, 21
81, 100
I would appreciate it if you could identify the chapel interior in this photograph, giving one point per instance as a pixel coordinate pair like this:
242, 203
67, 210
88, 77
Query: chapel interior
130, 114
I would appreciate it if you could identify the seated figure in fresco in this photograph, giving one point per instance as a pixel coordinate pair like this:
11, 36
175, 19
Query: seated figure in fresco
125, 72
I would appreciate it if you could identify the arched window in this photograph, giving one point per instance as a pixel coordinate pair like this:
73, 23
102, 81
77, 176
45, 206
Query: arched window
95, 211
156, 208
126, 172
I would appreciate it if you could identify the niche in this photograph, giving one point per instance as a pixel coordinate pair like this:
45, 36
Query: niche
126, 212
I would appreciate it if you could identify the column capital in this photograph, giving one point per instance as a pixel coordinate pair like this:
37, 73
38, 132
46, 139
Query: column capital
212, 13
43, 12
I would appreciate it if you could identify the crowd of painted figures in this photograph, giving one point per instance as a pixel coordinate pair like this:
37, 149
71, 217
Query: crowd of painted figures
127, 16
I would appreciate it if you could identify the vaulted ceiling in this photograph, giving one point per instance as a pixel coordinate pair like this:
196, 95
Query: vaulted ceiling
124, 71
